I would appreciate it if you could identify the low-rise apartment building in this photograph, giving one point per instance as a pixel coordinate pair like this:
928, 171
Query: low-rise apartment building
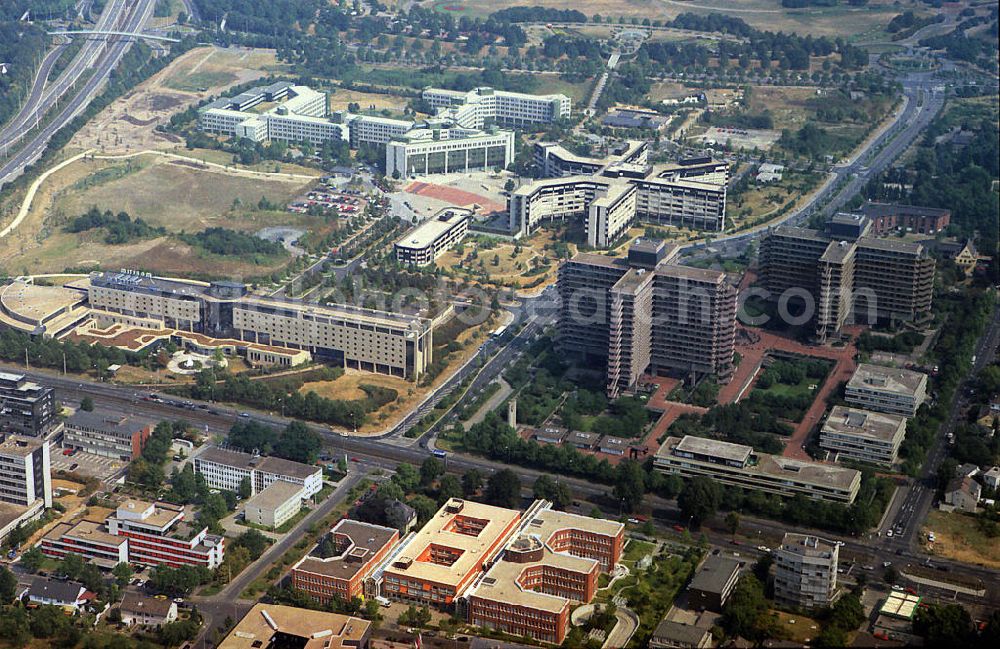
115, 436
553, 561
805, 571
146, 533
862, 435
358, 549
227, 469
713, 583
890, 217
738, 465
26, 408
886, 389
429, 240
273, 626
274, 505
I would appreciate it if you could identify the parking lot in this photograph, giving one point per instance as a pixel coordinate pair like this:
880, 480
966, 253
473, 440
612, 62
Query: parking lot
86, 464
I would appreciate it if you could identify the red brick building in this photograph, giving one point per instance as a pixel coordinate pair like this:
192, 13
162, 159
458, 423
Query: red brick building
358, 549
889, 217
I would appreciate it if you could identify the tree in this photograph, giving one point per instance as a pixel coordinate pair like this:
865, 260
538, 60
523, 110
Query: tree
699, 499
32, 559
87, 404
548, 489
299, 443
504, 489
255, 542
733, 522
744, 612
430, 470
8, 585
246, 487
472, 482
406, 477
425, 508
448, 487
122, 573
891, 576
630, 484
947, 625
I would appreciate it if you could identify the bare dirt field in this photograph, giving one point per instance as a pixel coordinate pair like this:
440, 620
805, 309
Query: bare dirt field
129, 123
179, 196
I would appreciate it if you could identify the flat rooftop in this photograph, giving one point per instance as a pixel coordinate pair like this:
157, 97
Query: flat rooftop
715, 574
38, 302
276, 494
20, 446
863, 423
807, 545
502, 583
711, 447
113, 423
301, 628
773, 466
483, 528
364, 542
265, 463
887, 379
549, 521
335, 311
428, 232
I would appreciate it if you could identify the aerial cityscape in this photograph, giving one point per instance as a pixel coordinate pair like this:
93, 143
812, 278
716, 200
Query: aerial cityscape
455, 324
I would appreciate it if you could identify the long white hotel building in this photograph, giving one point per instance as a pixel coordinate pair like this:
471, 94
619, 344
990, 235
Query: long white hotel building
481, 106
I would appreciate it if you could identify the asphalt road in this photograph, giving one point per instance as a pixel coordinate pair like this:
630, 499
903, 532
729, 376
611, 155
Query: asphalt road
374, 454
917, 498
100, 57
848, 178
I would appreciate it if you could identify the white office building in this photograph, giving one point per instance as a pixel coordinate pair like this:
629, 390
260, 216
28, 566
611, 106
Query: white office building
482, 106
886, 389
298, 114
226, 469
433, 237
805, 571
862, 435
438, 150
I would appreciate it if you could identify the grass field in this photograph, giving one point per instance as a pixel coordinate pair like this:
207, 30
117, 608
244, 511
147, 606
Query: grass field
958, 537
181, 198
216, 67
347, 387
841, 20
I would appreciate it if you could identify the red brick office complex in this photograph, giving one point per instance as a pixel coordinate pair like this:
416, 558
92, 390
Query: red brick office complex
359, 548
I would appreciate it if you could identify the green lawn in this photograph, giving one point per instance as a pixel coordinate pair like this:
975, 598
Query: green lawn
799, 389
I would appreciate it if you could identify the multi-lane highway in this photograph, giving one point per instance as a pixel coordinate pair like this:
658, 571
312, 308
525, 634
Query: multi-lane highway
97, 59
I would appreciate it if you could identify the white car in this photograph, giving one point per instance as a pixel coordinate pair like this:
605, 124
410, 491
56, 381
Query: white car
930, 536
888, 532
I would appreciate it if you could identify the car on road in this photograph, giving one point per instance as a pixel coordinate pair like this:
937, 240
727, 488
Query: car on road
764, 549
888, 533
886, 564
74, 466
245, 415
897, 588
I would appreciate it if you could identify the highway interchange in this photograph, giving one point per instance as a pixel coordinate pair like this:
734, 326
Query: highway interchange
95, 60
